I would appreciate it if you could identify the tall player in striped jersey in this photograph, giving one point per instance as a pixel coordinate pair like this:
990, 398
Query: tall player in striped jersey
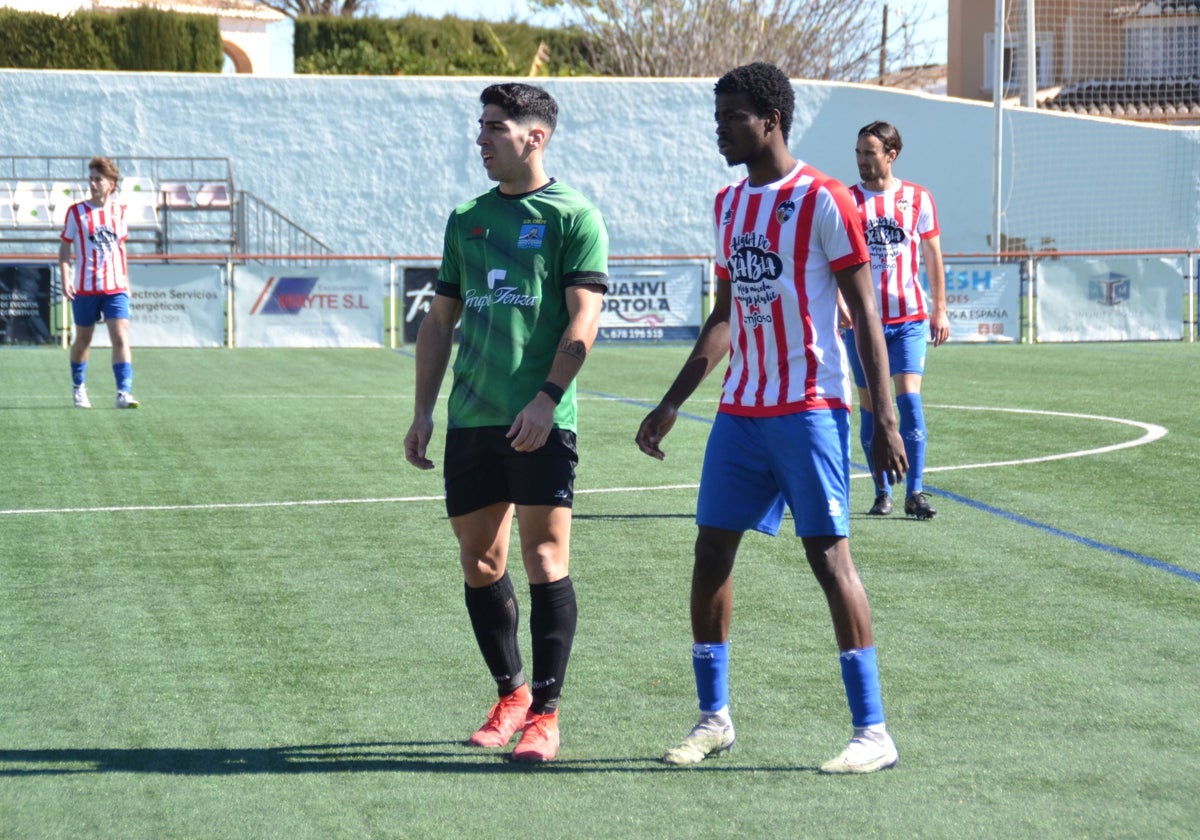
525, 267
788, 239
95, 231
902, 231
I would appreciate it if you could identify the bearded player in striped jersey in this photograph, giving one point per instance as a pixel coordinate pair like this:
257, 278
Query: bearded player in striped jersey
788, 239
525, 267
901, 225
95, 231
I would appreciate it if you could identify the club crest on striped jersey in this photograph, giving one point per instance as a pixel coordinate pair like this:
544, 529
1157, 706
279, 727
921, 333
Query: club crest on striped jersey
785, 211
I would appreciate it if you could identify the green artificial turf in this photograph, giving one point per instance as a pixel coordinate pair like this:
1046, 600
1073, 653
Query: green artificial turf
237, 612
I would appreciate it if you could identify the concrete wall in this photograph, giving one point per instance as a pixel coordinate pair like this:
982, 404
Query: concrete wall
375, 164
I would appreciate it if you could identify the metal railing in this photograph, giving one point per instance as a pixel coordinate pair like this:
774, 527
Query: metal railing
178, 206
262, 229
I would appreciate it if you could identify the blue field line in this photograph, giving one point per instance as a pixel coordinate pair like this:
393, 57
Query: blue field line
1152, 562
646, 405
1067, 535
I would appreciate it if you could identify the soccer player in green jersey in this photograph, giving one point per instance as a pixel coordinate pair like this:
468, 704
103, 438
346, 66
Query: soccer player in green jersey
525, 266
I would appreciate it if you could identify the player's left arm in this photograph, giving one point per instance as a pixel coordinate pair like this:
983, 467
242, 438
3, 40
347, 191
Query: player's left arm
931, 256
532, 426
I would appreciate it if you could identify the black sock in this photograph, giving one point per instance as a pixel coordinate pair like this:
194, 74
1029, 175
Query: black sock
552, 616
495, 618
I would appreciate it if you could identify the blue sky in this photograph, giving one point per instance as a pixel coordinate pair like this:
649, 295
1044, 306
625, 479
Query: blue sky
934, 31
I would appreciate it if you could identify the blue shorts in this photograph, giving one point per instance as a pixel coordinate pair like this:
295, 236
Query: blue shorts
86, 309
906, 344
753, 466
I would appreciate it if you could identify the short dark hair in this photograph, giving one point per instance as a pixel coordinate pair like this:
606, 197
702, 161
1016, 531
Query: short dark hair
885, 133
768, 88
523, 103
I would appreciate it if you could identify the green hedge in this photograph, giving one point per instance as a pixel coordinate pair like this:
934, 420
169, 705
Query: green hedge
136, 39
421, 46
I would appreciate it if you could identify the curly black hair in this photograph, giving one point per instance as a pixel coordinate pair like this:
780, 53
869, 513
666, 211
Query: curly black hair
523, 103
768, 88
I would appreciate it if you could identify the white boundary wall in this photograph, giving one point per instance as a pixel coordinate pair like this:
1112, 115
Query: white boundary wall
373, 165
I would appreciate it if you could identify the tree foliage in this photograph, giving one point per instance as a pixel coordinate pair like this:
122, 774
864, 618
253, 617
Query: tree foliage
416, 45
130, 39
321, 8
808, 39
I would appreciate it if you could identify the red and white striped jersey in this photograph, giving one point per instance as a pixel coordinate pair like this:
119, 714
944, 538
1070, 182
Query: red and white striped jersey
98, 234
895, 222
779, 246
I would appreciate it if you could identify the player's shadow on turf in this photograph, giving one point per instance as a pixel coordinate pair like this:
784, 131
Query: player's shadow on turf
374, 756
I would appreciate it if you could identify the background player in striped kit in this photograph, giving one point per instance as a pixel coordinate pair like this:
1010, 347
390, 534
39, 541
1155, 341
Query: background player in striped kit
901, 225
95, 229
525, 266
788, 238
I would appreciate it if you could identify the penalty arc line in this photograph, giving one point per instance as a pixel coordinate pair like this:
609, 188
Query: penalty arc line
1152, 432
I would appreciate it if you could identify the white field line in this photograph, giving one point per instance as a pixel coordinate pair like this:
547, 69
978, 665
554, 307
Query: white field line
383, 500
1152, 432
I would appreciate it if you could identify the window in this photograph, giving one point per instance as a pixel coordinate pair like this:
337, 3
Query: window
1013, 55
1162, 49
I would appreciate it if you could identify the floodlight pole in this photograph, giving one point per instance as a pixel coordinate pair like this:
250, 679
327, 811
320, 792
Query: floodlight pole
998, 108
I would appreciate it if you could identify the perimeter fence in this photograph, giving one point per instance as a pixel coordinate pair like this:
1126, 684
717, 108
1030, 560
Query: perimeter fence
344, 300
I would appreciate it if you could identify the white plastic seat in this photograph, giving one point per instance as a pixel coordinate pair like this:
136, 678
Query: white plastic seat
34, 214
64, 194
175, 194
8, 215
138, 189
214, 195
31, 193
141, 214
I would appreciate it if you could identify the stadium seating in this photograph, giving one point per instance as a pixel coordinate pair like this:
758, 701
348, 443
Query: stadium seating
62, 195
140, 197
8, 215
214, 195
138, 189
140, 214
176, 194
172, 205
33, 204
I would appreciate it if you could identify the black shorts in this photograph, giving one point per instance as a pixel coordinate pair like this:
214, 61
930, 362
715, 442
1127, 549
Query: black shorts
482, 468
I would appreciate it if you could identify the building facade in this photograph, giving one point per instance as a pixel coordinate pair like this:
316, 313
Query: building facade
1135, 60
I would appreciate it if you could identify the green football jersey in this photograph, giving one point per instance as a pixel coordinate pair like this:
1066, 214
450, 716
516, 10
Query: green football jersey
509, 259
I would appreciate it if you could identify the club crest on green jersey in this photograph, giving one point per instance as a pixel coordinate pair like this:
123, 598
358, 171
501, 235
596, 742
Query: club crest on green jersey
531, 235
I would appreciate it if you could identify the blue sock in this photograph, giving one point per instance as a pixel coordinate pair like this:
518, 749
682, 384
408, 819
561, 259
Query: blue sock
78, 373
866, 432
123, 371
860, 675
912, 429
710, 662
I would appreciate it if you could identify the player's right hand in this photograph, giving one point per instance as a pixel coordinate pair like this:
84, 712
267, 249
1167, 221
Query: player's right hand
654, 428
416, 441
